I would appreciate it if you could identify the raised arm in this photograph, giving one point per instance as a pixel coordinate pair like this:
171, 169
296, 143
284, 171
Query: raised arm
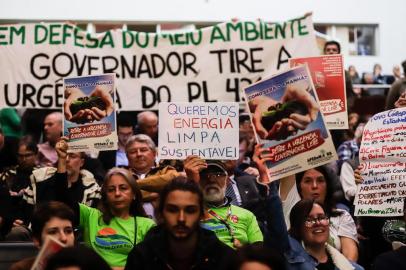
278, 234
61, 185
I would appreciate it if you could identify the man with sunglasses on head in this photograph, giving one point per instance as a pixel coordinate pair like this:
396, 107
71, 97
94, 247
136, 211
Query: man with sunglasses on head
233, 225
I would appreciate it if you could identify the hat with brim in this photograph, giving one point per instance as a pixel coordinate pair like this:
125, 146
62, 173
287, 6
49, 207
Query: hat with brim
214, 166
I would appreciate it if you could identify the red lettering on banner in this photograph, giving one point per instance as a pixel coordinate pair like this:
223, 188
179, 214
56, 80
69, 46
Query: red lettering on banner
296, 146
90, 131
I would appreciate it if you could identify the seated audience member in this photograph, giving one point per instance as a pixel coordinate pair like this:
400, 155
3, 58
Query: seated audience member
178, 242
141, 154
17, 179
8, 151
257, 257
118, 158
352, 72
241, 187
233, 225
397, 72
76, 258
82, 186
5, 211
306, 246
119, 223
395, 259
320, 184
377, 73
52, 133
147, 123
51, 218
397, 93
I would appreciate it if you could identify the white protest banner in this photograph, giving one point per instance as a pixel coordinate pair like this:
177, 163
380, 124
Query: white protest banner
287, 121
89, 115
327, 73
209, 130
210, 64
383, 160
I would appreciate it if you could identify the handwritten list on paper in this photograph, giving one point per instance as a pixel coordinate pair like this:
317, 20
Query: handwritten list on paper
383, 165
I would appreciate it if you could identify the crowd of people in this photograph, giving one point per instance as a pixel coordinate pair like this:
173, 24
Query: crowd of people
125, 209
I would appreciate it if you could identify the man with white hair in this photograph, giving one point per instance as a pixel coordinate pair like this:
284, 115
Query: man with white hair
233, 225
151, 179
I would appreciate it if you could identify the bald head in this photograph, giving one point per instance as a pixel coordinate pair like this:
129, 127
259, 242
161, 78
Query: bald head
148, 123
53, 127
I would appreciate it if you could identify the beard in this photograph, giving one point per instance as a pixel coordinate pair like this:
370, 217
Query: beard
214, 193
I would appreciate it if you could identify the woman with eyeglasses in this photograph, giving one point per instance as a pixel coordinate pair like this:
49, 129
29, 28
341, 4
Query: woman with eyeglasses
306, 245
318, 184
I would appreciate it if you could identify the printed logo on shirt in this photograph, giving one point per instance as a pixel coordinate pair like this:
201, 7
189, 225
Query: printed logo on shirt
213, 225
234, 218
107, 238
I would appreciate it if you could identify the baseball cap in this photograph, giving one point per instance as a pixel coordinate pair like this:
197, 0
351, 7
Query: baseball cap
214, 166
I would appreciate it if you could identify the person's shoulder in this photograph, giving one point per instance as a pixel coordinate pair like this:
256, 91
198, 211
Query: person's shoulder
241, 212
43, 173
391, 260
87, 178
245, 178
8, 172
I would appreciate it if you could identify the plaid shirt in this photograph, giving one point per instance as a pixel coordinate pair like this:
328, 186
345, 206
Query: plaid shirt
346, 151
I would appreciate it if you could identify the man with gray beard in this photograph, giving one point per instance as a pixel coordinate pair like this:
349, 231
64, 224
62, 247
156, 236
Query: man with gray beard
233, 225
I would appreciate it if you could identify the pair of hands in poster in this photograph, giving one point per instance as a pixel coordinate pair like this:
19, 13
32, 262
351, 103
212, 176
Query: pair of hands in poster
87, 115
286, 126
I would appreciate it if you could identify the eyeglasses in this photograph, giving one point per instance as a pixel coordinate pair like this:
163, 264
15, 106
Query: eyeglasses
323, 220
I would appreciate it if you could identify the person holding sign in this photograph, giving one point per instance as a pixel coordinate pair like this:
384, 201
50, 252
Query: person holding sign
306, 245
277, 121
113, 230
318, 184
233, 225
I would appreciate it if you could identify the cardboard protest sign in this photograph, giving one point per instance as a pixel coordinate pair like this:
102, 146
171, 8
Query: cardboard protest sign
286, 118
89, 114
209, 64
383, 160
328, 73
49, 248
208, 130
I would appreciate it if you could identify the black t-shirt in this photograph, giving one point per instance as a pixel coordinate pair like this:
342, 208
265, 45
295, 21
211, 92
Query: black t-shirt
329, 265
76, 191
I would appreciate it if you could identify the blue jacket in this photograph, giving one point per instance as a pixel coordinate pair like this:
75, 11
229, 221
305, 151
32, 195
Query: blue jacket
295, 255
